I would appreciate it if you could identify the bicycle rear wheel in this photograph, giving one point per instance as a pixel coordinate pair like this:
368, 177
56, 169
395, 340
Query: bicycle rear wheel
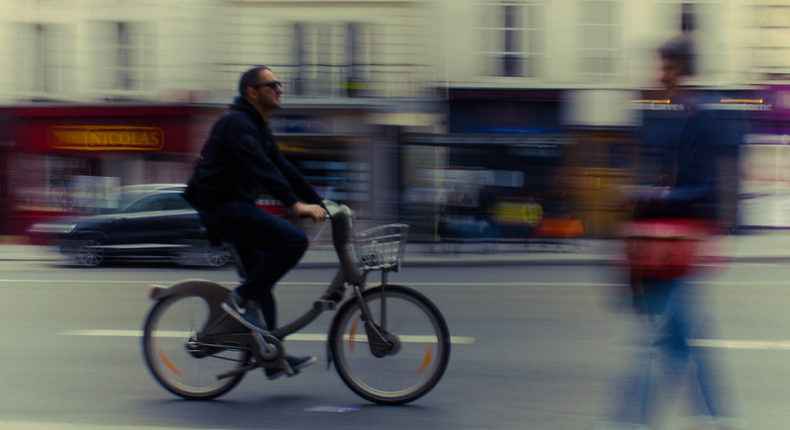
404, 372
180, 358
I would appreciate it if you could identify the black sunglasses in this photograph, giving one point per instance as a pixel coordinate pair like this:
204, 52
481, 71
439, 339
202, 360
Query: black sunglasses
270, 84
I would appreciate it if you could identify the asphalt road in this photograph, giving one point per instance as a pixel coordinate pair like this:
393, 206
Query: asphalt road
543, 345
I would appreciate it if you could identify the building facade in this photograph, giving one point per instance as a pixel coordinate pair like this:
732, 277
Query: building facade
362, 74
177, 50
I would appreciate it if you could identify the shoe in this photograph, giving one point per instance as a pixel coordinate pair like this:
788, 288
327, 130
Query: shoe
296, 363
245, 311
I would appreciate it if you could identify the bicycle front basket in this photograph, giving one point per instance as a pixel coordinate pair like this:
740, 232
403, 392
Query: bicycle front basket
381, 247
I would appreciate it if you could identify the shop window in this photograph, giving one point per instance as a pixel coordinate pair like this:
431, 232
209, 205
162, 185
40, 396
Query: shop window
47, 183
339, 180
513, 34
600, 34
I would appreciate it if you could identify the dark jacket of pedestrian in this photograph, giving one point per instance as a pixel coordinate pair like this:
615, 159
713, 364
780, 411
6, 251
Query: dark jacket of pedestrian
693, 152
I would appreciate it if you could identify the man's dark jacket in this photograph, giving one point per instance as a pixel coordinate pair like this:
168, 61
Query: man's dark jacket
241, 160
695, 152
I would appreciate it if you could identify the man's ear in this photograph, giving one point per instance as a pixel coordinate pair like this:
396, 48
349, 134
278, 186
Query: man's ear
248, 92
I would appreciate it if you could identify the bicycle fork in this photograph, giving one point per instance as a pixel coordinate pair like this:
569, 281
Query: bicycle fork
380, 340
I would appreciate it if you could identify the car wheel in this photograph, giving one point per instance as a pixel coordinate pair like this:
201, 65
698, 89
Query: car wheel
90, 252
217, 256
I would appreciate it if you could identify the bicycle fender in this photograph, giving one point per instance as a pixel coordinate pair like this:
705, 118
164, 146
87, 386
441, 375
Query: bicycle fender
198, 287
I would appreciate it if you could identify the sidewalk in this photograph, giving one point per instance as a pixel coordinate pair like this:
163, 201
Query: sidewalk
763, 246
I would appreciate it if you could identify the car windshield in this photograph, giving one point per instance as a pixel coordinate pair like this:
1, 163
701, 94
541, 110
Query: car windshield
131, 193
158, 202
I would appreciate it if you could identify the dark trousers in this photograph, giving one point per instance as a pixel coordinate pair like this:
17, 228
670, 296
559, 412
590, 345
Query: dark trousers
268, 247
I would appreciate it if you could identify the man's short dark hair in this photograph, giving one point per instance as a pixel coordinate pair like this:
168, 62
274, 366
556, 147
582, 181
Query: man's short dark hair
250, 78
681, 50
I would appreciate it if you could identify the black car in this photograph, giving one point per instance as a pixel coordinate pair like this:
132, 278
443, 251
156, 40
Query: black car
160, 225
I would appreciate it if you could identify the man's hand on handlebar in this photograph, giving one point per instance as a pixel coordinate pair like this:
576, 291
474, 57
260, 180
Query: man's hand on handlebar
316, 212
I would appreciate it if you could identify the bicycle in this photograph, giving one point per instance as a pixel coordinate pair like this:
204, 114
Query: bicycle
390, 344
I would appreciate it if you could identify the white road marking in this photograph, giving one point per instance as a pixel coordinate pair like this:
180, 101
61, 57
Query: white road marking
742, 344
305, 337
125, 282
777, 345
39, 425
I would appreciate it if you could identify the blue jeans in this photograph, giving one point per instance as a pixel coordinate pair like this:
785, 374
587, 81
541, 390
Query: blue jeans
676, 312
268, 247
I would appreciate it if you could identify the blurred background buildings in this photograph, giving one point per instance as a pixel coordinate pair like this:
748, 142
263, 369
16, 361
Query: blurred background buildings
470, 119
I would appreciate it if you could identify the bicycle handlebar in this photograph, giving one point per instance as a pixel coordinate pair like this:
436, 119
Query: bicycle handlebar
342, 219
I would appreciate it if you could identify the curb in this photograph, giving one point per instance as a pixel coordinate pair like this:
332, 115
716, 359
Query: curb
325, 258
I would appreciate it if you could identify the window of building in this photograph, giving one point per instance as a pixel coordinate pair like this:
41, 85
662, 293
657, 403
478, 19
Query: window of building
688, 18
124, 54
330, 59
306, 43
600, 37
359, 64
513, 37
770, 52
47, 60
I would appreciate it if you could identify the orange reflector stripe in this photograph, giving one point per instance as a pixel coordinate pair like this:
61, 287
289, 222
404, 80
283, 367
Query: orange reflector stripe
352, 335
662, 101
426, 362
165, 359
754, 101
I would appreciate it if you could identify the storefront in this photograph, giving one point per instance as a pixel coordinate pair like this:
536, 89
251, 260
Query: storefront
72, 159
765, 158
495, 175
343, 153
603, 124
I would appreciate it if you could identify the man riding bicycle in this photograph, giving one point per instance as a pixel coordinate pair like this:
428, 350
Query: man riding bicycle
238, 163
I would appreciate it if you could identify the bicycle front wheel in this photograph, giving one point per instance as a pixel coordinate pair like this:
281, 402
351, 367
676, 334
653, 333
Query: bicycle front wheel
179, 359
415, 358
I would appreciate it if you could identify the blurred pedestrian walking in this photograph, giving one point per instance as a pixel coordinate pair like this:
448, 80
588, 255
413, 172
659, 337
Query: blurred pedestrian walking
690, 152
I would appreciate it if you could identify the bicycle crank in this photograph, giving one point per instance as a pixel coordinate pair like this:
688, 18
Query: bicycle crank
268, 346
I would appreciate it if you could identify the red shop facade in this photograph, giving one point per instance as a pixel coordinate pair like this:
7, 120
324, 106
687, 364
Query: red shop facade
61, 160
